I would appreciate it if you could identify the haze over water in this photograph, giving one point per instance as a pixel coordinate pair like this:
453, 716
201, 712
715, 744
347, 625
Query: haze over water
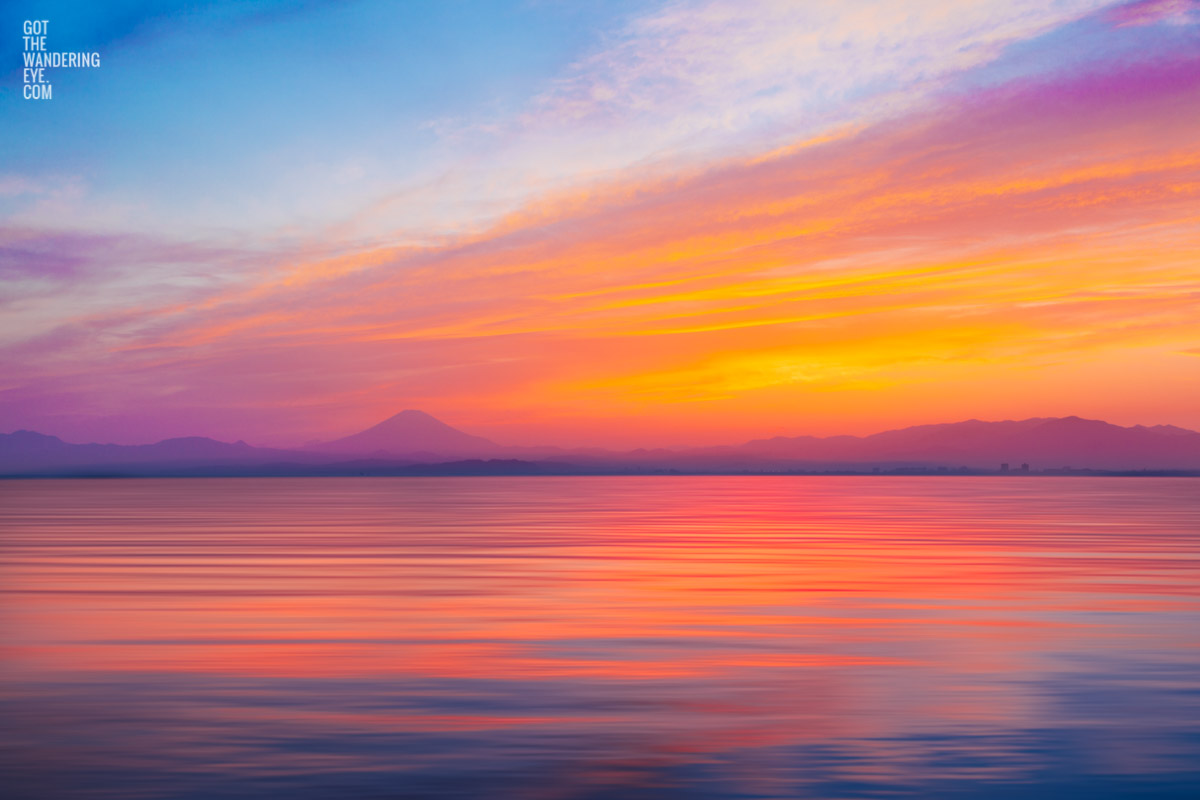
709, 637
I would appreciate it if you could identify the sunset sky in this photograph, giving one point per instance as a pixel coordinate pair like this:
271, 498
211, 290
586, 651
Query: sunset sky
618, 224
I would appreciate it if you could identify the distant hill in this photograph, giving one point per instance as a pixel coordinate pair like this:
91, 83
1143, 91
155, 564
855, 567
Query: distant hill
1044, 443
407, 433
26, 452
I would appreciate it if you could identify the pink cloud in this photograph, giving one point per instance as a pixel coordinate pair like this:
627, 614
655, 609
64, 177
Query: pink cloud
1149, 12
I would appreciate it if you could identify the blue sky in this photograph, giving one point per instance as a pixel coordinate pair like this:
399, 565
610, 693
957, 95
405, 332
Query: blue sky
287, 102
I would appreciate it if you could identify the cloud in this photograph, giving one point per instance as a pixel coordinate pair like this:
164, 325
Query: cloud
727, 66
1150, 12
686, 83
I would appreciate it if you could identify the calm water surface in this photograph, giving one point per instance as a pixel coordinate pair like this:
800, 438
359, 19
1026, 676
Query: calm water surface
673, 637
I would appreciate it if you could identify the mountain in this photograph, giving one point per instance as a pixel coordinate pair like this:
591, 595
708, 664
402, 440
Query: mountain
410, 433
1044, 443
413, 442
25, 452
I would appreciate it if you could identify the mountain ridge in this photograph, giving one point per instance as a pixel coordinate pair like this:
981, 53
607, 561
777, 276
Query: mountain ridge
1054, 441
413, 437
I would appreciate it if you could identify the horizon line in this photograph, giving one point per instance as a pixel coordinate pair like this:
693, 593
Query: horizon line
313, 445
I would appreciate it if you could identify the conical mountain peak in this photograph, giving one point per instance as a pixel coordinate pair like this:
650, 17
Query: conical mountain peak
411, 431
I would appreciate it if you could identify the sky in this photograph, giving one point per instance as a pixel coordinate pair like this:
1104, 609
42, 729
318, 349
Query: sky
611, 223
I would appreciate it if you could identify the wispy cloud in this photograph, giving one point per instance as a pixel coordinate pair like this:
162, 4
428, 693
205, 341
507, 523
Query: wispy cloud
692, 81
1149, 12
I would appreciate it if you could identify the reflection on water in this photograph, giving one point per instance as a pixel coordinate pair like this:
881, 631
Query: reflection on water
700, 637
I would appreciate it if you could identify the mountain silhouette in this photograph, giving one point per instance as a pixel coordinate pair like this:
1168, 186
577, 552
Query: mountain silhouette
407, 433
411, 442
29, 451
1052, 442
